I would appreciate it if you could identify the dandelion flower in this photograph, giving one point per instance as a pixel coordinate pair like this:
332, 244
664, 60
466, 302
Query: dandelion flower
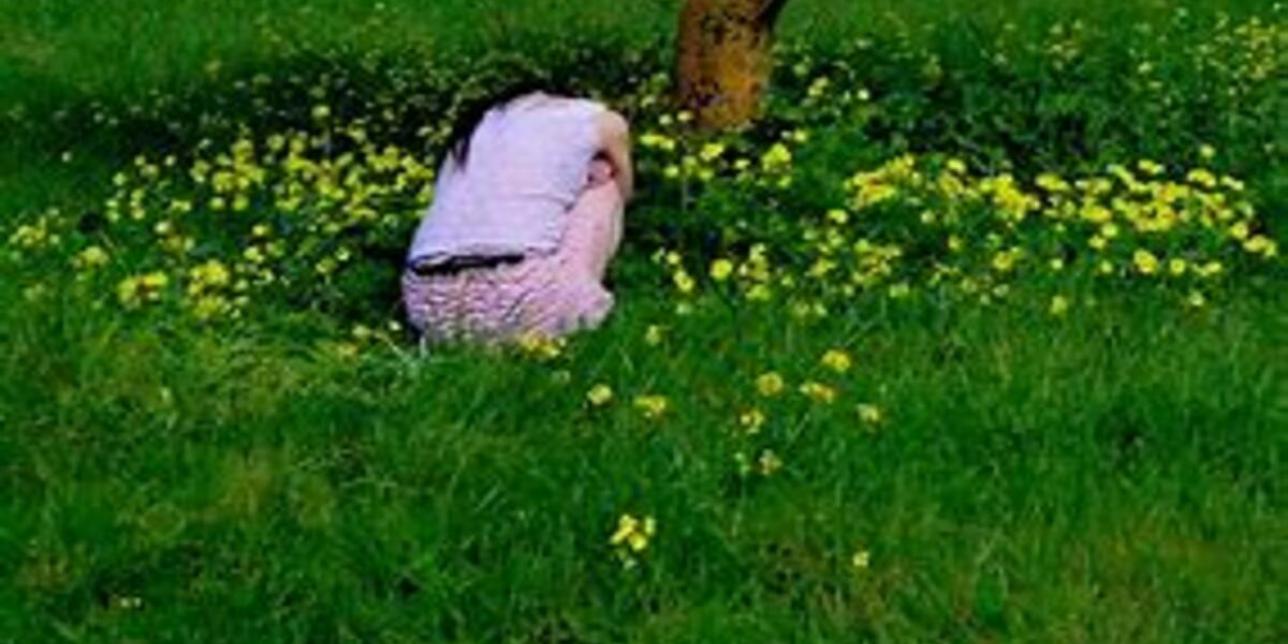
721, 269
769, 463
633, 533
599, 395
652, 406
683, 281
861, 560
1145, 262
870, 414
818, 392
541, 347
770, 384
1059, 306
837, 360
653, 335
91, 258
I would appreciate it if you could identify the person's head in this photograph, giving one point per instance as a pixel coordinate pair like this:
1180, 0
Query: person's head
472, 108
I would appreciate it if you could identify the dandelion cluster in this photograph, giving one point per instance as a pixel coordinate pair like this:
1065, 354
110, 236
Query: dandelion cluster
311, 205
929, 226
632, 537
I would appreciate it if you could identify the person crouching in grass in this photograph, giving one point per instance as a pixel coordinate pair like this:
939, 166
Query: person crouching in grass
527, 214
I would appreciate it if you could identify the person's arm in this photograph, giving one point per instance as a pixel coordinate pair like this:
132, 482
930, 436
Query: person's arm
615, 137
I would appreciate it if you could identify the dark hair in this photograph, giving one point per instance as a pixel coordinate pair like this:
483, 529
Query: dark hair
471, 110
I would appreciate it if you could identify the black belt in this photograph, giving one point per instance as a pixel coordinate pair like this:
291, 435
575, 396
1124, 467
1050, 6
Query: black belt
460, 264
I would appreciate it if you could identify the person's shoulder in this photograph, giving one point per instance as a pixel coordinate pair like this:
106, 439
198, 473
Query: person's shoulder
612, 124
588, 105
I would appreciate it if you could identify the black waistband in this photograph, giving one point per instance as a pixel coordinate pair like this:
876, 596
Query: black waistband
460, 264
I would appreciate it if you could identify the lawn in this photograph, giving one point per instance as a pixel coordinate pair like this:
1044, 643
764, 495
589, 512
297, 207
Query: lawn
979, 334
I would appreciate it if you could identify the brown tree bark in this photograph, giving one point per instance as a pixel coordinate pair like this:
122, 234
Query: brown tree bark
724, 58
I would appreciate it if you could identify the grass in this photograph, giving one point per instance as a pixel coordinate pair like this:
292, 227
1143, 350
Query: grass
1113, 474
1112, 479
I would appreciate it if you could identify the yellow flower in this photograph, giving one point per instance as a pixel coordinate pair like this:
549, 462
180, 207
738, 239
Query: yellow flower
133, 291
1145, 262
818, 392
769, 462
653, 335
362, 332
1196, 299
599, 395
683, 281
653, 407
759, 293
1052, 183
1059, 305
711, 151
209, 306
1210, 269
1150, 167
91, 258
752, 420
633, 533
659, 141
870, 414
818, 87
1202, 178
721, 269
777, 159
770, 384
540, 347
1261, 245
861, 559
1177, 266
1005, 260
837, 360
1096, 213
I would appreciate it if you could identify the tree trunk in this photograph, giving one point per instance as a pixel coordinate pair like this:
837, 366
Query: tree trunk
725, 59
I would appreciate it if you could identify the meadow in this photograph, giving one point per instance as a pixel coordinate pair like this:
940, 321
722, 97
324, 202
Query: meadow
979, 334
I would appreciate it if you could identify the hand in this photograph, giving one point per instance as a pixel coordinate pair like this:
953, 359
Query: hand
601, 172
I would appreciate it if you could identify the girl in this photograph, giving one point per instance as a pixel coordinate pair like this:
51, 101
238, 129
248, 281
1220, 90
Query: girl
527, 214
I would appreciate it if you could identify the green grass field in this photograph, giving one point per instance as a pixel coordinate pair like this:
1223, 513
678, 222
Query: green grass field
979, 335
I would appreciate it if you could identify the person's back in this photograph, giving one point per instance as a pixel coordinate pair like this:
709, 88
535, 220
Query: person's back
526, 217
525, 168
